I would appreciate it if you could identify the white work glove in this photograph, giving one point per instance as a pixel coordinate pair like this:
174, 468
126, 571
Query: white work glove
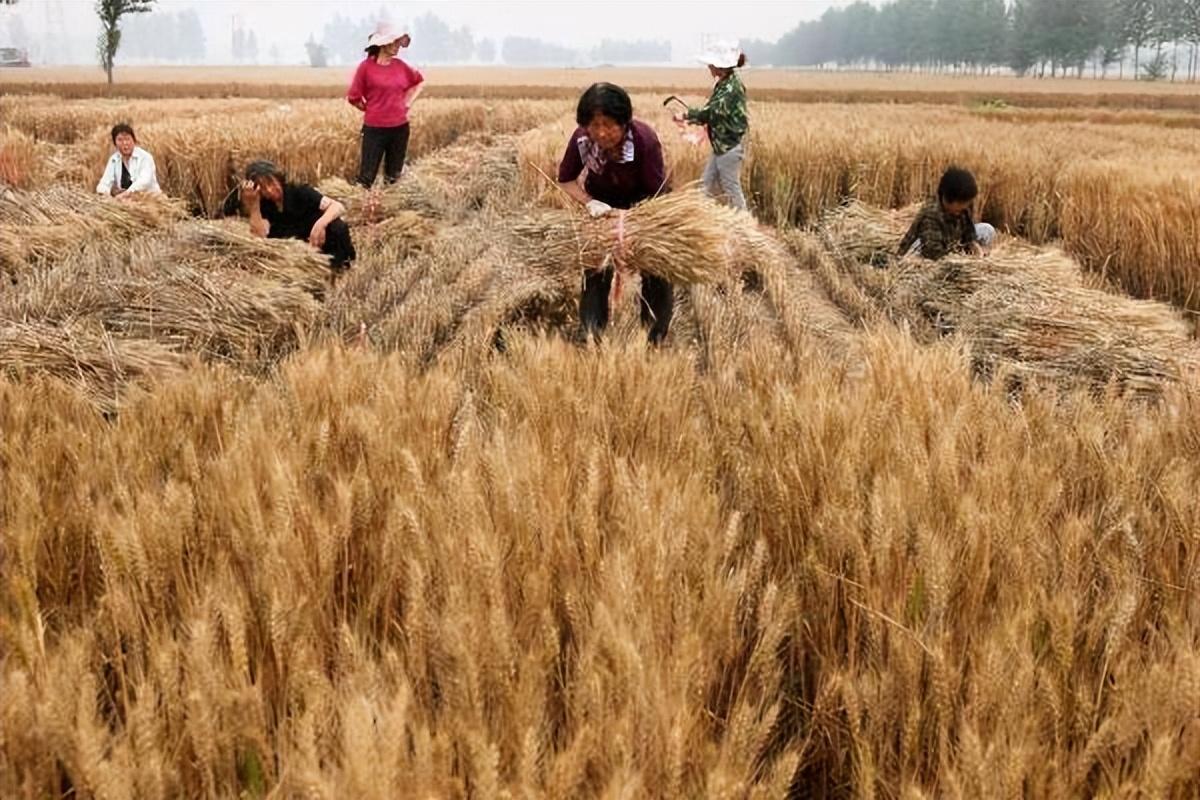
598, 208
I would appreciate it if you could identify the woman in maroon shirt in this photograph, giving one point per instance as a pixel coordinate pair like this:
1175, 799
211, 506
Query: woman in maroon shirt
384, 87
623, 160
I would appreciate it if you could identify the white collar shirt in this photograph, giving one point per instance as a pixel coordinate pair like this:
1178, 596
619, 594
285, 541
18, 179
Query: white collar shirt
141, 170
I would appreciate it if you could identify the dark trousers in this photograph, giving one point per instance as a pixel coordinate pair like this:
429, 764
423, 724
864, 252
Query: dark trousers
338, 245
388, 145
657, 303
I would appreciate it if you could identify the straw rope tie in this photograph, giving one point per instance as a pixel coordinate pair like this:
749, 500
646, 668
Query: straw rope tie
618, 260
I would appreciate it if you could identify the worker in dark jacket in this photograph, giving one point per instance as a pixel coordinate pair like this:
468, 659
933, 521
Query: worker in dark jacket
623, 162
281, 210
944, 225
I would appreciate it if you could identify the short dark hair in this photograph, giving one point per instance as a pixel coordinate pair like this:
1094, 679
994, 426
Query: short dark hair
262, 168
957, 186
122, 127
607, 99
372, 50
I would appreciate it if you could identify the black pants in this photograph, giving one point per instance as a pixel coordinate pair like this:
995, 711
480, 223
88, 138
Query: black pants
338, 245
657, 304
388, 145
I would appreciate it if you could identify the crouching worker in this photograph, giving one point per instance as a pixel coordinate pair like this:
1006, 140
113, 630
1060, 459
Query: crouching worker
623, 160
281, 210
130, 169
944, 225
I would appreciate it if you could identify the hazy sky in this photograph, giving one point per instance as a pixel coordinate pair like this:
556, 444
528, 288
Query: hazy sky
289, 22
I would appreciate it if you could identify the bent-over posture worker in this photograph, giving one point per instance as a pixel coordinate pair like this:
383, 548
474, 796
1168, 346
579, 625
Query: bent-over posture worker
623, 161
281, 210
944, 225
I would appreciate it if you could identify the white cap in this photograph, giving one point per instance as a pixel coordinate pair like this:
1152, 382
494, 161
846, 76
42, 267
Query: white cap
724, 55
386, 33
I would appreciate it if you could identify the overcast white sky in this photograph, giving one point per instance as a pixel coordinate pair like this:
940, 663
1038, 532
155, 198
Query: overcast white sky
570, 22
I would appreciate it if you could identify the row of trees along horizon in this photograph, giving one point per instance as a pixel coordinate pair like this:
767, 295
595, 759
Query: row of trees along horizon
1149, 39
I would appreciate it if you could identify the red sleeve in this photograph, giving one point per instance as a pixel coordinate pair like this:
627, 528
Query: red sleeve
354, 94
653, 172
572, 163
414, 76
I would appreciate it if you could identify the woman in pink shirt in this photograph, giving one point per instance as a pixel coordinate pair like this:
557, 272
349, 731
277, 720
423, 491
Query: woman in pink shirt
384, 87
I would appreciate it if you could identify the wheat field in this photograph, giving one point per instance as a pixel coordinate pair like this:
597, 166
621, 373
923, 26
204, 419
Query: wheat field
853, 532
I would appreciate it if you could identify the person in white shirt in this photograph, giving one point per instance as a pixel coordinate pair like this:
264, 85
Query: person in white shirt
130, 169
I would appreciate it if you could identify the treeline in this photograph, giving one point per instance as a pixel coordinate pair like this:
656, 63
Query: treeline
1157, 38
163, 36
436, 42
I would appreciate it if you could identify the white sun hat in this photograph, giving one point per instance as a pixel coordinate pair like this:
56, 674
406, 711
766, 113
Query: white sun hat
386, 33
723, 55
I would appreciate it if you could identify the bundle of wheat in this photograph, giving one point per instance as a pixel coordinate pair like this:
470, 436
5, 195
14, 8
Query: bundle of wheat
394, 238
217, 312
1026, 323
207, 246
863, 233
462, 177
1026, 312
44, 228
368, 206
683, 237
84, 356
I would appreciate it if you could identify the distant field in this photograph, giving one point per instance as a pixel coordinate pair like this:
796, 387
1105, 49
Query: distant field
767, 84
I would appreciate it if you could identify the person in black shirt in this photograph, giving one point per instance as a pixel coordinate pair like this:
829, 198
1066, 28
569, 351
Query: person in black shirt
282, 210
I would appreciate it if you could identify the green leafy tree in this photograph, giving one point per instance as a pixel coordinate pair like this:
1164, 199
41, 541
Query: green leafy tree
1137, 19
110, 13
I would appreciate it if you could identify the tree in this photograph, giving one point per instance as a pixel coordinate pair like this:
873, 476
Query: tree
1191, 25
435, 41
485, 51
110, 13
317, 54
524, 51
1138, 21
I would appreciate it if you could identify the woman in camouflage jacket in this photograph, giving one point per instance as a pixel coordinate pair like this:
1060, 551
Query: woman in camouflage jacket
725, 117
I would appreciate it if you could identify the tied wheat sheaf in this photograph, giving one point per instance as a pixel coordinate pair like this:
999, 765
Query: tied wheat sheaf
684, 237
1023, 311
864, 526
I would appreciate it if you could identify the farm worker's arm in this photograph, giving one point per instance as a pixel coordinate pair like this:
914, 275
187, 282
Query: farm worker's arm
354, 95
969, 242
715, 106
910, 237
416, 86
569, 170
251, 204
106, 180
146, 175
333, 210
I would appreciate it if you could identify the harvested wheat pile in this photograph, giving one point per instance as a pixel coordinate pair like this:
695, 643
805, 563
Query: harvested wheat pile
1021, 321
863, 233
102, 367
397, 237
221, 314
209, 247
1025, 312
463, 177
683, 237
370, 206
44, 228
